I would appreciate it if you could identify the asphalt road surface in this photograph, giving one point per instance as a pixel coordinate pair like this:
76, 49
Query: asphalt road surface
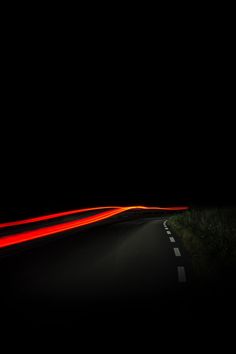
131, 267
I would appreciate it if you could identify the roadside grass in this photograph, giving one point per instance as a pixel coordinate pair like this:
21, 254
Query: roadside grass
209, 235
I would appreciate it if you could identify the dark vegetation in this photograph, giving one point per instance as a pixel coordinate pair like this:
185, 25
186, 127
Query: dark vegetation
209, 235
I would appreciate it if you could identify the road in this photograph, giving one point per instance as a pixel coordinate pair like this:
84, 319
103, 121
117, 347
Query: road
126, 277
129, 264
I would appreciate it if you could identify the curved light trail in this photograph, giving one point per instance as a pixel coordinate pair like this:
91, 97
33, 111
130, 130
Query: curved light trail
52, 216
77, 211
17, 238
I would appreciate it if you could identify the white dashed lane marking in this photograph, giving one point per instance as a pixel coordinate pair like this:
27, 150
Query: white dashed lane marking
177, 252
180, 269
181, 274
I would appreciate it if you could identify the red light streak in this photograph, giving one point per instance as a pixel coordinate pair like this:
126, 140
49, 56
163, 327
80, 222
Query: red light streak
41, 232
77, 211
51, 216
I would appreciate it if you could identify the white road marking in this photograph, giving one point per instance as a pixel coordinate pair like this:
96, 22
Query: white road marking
172, 239
177, 252
181, 274
169, 233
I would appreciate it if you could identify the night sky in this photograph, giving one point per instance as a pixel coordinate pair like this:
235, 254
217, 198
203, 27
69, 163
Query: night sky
97, 158
99, 134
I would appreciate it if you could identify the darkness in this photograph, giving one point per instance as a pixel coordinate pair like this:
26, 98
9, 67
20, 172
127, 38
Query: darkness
115, 112
111, 123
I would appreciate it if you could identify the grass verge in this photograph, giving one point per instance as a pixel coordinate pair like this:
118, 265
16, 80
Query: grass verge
209, 236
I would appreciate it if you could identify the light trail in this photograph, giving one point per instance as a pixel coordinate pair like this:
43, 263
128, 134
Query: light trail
18, 238
52, 216
14, 239
78, 211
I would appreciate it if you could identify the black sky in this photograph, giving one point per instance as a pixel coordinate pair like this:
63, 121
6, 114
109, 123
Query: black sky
95, 129
71, 157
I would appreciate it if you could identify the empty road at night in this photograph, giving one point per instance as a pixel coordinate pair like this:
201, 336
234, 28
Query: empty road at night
132, 262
